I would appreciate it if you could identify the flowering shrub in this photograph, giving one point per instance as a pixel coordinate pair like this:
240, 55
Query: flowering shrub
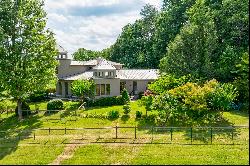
191, 103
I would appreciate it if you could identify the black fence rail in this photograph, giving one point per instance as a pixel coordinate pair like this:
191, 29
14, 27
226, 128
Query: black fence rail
137, 134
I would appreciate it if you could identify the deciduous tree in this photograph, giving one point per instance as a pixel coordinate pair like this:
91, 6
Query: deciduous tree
27, 49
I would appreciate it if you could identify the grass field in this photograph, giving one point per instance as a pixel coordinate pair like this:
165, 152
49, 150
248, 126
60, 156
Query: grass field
47, 149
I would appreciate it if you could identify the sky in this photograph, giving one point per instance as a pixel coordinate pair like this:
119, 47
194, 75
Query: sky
91, 24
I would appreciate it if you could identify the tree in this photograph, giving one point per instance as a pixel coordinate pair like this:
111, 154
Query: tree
27, 49
147, 102
242, 79
83, 54
133, 46
211, 42
192, 50
125, 96
83, 88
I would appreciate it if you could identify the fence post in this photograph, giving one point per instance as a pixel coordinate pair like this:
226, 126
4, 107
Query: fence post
211, 132
116, 132
49, 131
135, 132
65, 130
34, 136
233, 135
152, 131
171, 134
191, 134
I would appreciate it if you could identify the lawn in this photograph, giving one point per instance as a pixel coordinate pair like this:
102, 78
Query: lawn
160, 154
46, 148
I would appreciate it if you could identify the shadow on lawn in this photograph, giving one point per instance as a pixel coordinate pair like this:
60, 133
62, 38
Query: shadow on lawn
13, 131
202, 135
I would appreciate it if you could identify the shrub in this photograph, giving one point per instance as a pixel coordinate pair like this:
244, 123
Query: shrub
222, 97
125, 96
37, 97
194, 104
105, 101
113, 114
72, 105
4, 104
140, 94
167, 82
25, 106
55, 104
119, 100
138, 114
126, 109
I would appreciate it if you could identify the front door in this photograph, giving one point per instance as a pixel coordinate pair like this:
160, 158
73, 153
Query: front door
134, 87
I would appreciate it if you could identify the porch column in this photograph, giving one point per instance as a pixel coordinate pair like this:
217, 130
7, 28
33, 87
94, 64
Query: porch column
57, 88
69, 89
63, 89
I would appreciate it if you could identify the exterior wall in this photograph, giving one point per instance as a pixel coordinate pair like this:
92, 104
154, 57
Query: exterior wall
114, 86
129, 86
142, 86
65, 69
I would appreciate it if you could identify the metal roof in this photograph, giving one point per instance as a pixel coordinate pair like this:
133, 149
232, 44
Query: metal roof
85, 76
103, 64
77, 63
124, 74
93, 62
137, 74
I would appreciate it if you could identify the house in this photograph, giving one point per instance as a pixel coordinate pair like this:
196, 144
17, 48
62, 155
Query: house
110, 77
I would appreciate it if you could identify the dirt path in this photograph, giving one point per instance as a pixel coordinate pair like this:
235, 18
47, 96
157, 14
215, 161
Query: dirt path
67, 153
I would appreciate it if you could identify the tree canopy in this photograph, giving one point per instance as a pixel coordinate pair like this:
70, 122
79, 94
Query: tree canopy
27, 49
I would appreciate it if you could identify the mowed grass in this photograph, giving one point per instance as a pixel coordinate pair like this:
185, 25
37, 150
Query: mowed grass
118, 153
23, 155
152, 154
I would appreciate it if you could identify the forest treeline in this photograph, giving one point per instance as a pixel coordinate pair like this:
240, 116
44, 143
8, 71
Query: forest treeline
207, 39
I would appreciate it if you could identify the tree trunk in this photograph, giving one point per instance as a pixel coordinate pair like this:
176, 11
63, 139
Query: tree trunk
19, 108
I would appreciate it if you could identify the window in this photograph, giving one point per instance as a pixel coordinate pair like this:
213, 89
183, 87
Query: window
106, 74
102, 89
99, 74
97, 90
107, 89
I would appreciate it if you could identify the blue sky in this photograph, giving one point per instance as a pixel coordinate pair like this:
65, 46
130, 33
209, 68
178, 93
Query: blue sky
91, 24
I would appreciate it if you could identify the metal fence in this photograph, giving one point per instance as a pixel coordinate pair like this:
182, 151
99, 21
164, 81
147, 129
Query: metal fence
134, 134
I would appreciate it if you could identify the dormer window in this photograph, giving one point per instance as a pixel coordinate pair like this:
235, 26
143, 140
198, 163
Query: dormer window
111, 73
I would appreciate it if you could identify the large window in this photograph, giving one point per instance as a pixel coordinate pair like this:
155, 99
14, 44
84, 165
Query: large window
97, 90
107, 89
102, 89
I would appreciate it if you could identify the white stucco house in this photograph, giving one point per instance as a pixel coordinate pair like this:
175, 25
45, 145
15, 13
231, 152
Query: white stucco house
110, 77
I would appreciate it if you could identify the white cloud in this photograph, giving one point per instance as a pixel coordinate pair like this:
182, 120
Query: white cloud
94, 32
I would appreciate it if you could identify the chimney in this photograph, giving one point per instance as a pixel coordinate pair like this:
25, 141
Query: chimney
99, 59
